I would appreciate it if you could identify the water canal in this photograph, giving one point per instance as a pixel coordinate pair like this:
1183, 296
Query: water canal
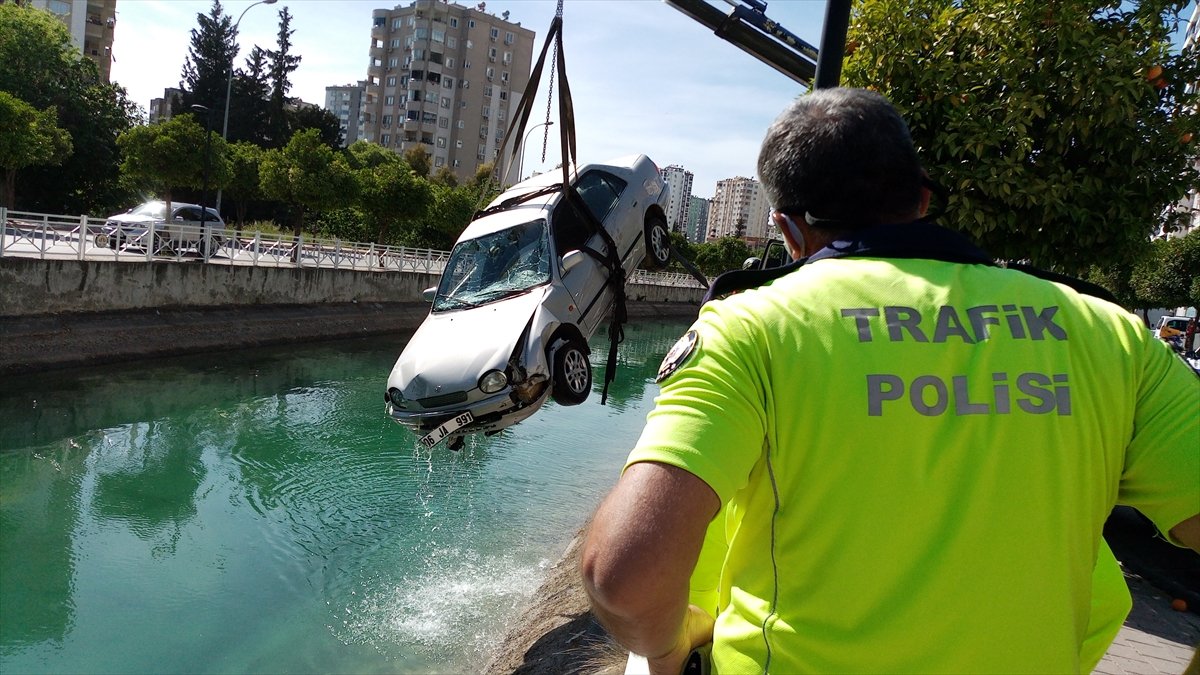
256, 512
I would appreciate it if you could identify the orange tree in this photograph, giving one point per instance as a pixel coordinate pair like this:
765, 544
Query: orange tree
1062, 130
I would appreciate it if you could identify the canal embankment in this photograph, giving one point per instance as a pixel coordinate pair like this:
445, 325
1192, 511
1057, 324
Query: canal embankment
68, 313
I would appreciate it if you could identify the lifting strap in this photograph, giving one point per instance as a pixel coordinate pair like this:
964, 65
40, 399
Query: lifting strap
610, 258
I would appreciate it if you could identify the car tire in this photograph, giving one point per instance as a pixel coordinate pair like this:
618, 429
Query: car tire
658, 243
572, 374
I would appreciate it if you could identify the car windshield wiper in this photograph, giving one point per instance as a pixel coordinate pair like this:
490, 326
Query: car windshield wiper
499, 294
453, 302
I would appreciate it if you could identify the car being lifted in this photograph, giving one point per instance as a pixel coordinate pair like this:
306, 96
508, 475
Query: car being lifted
528, 282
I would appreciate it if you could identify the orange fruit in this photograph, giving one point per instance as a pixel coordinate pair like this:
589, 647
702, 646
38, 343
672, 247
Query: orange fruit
1154, 73
1179, 605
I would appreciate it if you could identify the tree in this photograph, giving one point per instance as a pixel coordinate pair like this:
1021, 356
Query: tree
449, 214
1063, 130
418, 158
27, 137
722, 255
282, 65
209, 60
40, 66
390, 194
306, 175
248, 104
244, 159
445, 176
329, 128
1170, 275
171, 154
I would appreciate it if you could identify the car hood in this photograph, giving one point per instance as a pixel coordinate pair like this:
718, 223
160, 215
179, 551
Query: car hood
130, 219
451, 350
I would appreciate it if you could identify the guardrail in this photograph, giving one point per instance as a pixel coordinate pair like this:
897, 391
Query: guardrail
47, 236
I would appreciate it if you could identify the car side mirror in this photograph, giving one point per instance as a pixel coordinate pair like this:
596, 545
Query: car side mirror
570, 260
428, 294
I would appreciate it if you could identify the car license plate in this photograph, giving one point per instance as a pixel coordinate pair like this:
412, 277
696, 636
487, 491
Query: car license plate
439, 434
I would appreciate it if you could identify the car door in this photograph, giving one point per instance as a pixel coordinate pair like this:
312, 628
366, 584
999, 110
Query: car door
601, 192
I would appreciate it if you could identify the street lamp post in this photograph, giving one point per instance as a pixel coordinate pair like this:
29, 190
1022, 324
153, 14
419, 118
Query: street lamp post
204, 180
525, 141
229, 85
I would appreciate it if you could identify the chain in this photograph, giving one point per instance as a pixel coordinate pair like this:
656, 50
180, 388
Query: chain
558, 12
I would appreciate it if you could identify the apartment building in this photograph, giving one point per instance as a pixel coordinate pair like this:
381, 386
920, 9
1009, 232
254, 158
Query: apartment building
697, 220
446, 78
739, 208
1191, 203
680, 182
91, 24
345, 102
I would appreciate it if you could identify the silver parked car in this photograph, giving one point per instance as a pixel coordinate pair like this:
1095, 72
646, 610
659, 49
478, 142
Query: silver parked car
146, 225
525, 287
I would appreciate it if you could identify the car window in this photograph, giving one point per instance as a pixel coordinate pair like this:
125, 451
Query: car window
188, 213
600, 191
152, 209
495, 266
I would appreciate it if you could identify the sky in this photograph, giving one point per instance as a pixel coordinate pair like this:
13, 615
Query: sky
644, 77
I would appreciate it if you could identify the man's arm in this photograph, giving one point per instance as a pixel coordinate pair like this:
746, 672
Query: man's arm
1188, 533
638, 556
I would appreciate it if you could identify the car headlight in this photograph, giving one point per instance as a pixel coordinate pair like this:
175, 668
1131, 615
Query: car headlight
493, 381
395, 397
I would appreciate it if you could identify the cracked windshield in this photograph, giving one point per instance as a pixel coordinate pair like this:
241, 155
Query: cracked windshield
495, 266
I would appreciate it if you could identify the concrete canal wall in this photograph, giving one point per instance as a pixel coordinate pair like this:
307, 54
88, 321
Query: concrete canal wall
63, 313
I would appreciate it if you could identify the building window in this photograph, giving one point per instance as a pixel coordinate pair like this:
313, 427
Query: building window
503, 95
439, 35
418, 54
412, 21
470, 23
508, 38
452, 42
458, 144
403, 80
387, 121
392, 62
464, 84
486, 113
487, 90
439, 161
495, 33
443, 122
448, 82
462, 104
504, 76
450, 62
460, 124
391, 81
507, 58
435, 57
491, 72
385, 140
466, 64
470, 44
482, 154
445, 101
492, 54
389, 100
453, 22
421, 33
396, 23
441, 141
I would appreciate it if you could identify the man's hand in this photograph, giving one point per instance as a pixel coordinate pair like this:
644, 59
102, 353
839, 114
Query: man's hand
697, 631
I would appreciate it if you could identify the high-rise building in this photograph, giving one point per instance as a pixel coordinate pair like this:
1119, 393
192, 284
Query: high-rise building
1191, 203
445, 78
91, 25
739, 208
680, 182
345, 102
697, 220
160, 108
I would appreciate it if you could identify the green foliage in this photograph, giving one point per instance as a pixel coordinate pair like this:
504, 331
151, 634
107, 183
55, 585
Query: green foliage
418, 159
390, 194
27, 137
40, 66
306, 175
209, 60
328, 127
448, 215
1059, 140
1169, 276
282, 65
722, 255
243, 187
172, 154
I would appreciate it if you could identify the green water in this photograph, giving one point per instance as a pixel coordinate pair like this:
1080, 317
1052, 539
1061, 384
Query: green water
257, 512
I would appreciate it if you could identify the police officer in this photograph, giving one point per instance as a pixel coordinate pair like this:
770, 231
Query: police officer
916, 449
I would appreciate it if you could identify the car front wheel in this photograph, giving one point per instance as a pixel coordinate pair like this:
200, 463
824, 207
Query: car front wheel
572, 374
658, 243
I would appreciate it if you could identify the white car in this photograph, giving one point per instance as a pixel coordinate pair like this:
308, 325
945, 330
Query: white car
525, 287
189, 226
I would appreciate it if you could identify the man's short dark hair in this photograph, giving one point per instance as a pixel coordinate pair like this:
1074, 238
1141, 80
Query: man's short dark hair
841, 155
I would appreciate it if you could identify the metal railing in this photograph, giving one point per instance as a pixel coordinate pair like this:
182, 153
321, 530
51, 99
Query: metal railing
49, 237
